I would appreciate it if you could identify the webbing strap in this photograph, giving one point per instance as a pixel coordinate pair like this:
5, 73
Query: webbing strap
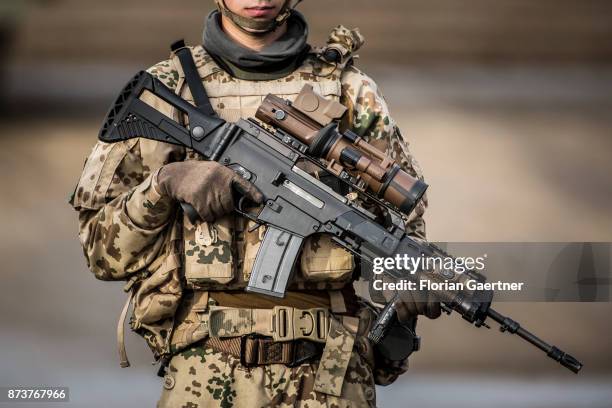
253, 351
281, 323
335, 360
336, 301
192, 77
123, 358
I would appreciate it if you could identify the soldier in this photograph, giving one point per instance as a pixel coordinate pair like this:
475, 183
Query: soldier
220, 346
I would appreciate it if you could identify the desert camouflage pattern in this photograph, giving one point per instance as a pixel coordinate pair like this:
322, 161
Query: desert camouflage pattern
155, 302
128, 231
233, 99
334, 363
368, 116
124, 222
191, 320
324, 261
231, 322
201, 378
346, 41
208, 252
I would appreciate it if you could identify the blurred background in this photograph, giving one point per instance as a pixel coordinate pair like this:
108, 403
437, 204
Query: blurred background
507, 105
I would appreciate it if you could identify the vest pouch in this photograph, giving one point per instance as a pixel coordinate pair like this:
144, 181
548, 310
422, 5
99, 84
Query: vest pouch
156, 299
191, 322
324, 260
208, 252
157, 296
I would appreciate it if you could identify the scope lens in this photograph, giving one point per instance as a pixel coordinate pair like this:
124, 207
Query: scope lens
405, 191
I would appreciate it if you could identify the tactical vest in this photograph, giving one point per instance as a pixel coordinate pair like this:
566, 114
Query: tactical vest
220, 255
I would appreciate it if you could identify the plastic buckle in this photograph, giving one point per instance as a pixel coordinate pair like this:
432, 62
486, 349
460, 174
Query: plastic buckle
311, 324
282, 323
293, 324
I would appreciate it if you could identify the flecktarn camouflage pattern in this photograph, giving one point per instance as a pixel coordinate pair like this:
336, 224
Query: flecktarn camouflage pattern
130, 232
208, 252
345, 41
201, 378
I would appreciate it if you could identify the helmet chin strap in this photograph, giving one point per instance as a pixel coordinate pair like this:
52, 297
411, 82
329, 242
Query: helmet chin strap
254, 27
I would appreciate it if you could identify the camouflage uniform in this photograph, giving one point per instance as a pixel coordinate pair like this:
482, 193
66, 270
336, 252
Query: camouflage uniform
177, 272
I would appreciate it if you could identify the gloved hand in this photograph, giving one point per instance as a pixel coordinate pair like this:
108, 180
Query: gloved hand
206, 185
417, 302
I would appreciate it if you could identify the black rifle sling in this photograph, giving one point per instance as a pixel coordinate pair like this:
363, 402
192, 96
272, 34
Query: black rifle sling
200, 97
192, 77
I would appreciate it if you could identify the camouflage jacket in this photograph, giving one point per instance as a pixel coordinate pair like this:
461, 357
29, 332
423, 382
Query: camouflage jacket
128, 231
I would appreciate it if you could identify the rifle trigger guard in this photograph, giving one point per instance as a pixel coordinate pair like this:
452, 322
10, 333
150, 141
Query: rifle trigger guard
240, 209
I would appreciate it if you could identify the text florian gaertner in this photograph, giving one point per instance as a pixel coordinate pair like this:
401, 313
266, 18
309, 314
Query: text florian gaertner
447, 266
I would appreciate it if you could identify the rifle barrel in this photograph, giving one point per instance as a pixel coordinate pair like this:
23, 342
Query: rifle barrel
513, 327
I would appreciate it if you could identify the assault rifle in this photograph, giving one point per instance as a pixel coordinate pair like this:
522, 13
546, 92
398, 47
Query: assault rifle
270, 151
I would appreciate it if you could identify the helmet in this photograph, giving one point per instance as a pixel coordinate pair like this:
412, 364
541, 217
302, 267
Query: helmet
254, 26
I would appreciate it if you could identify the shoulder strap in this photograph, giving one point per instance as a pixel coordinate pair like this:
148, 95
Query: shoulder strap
193, 78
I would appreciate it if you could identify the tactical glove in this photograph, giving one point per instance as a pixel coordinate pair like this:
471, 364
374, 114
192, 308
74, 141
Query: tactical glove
205, 185
417, 302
